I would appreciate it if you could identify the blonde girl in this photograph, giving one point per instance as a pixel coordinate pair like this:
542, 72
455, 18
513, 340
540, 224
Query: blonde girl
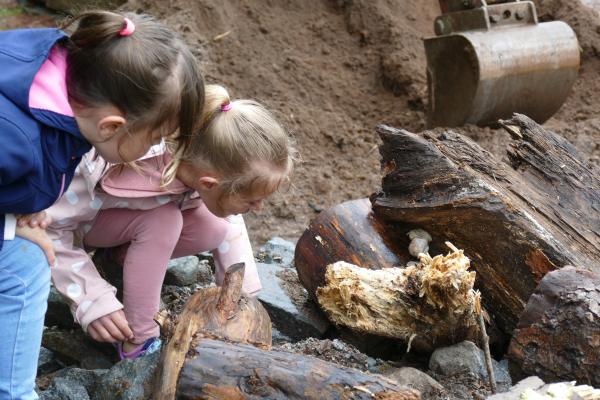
182, 203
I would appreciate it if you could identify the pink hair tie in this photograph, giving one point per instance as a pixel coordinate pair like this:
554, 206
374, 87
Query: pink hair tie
128, 28
226, 106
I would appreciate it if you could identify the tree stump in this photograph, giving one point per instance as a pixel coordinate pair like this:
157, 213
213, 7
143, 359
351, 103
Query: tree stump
215, 312
515, 221
229, 371
558, 335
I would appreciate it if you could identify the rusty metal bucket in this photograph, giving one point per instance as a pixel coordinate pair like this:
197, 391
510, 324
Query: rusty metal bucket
491, 61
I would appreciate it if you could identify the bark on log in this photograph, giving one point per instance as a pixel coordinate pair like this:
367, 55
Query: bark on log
227, 371
558, 335
516, 222
218, 312
348, 232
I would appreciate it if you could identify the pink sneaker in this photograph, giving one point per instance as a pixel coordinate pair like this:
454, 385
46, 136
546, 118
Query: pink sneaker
148, 347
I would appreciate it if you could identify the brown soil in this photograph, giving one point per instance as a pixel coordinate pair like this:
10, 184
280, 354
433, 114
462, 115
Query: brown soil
332, 70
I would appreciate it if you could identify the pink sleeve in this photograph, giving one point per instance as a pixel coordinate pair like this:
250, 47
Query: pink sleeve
234, 249
75, 276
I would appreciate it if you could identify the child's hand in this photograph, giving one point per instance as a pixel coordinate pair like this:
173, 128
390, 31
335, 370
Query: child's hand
111, 328
34, 220
39, 237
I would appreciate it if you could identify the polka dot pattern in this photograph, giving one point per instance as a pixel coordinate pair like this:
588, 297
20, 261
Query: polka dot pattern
74, 290
96, 204
224, 247
76, 267
164, 199
72, 197
85, 305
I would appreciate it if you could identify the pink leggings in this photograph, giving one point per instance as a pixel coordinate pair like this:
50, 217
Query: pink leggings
155, 236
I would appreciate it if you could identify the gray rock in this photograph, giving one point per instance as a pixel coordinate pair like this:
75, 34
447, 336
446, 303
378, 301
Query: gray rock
47, 362
278, 337
532, 382
58, 313
187, 271
466, 357
416, 379
128, 379
65, 389
84, 377
279, 251
74, 348
292, 313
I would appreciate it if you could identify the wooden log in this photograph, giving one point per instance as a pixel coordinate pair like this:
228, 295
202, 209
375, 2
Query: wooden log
516, 221
230, 371
348, 232
558, 335
219, 312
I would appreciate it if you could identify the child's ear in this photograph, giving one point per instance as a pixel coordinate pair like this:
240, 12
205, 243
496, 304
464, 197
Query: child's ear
208, 182
110, 125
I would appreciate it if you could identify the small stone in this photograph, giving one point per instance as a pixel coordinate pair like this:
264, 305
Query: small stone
278, 250
186, 271
416, 379
128, 379
532, 382
47, 362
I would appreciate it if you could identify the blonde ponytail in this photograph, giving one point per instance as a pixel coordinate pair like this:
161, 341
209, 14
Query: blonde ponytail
236, 136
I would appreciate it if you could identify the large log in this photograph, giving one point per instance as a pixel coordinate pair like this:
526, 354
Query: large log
516, 221
558, 335
348, 232
228, 371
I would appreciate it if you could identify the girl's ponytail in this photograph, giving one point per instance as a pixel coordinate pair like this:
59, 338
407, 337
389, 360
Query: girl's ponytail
215, 97
97, 28
140, 66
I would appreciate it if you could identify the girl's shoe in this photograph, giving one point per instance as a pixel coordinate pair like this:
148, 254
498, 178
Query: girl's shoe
148, 347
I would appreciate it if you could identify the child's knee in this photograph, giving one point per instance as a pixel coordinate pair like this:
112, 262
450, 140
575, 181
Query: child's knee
165, 221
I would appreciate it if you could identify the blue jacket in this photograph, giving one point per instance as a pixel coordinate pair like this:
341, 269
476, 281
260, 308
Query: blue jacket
39, 149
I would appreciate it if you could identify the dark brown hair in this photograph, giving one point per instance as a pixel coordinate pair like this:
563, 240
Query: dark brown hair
150, 76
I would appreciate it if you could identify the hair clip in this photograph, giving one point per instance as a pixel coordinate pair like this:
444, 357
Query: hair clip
128, 28
226, 106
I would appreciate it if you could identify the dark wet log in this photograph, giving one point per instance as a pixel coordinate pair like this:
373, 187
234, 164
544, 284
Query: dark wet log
348, 232
515, 221
216, 312
557, 337
225, 371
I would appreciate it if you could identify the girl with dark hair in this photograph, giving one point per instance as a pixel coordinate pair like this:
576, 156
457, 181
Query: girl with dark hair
118, 83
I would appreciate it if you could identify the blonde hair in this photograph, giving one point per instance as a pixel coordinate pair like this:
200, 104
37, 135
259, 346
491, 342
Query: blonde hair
241, 141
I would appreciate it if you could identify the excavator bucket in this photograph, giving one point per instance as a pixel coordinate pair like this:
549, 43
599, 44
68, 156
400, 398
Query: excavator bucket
490, 61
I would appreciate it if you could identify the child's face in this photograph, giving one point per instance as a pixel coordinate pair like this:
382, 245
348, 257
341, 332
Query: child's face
223, 205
